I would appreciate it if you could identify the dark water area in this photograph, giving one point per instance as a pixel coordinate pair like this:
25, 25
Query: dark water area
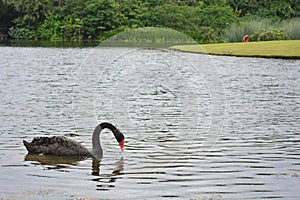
196, 126
47, 43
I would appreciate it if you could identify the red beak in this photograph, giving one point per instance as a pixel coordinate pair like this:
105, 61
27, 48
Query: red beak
121, 145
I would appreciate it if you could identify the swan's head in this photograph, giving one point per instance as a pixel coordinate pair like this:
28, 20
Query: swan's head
120, 138
118, 135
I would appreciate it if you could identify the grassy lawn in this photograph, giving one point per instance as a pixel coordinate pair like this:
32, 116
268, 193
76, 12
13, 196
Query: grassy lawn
269, 49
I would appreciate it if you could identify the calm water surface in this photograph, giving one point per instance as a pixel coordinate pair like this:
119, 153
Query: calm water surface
196, 126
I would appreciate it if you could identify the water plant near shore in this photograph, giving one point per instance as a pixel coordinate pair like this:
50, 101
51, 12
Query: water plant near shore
264, 30
292, 27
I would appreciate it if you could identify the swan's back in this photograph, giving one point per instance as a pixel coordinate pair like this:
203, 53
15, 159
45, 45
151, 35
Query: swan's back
56, 145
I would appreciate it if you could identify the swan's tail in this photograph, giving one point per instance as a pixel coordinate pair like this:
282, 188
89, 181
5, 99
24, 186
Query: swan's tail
27, 145
30, 147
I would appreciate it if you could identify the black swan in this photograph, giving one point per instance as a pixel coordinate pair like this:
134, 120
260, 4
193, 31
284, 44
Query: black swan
62, 146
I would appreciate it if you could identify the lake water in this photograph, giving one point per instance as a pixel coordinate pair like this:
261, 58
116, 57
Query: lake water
196, 126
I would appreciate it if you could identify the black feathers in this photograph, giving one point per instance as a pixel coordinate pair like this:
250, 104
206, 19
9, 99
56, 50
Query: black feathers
57, 145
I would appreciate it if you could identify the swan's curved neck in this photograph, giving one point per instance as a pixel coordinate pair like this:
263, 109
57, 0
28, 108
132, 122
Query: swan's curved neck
96, 139
96, 136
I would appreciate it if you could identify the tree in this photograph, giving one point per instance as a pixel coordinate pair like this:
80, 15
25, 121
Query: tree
133, 13
97, 17
214, 2
243, 7
178, 17
92, 17
295, 4
32, 12
217, 16
282, 9
7, 14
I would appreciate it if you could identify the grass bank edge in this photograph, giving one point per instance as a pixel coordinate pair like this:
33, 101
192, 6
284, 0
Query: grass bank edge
268, 49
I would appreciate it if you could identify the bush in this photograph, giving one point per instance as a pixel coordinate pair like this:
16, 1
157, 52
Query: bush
51, 29
206, 34
72, 29
271, 34
21, 33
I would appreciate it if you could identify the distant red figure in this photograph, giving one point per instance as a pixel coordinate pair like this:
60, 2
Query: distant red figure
246, 38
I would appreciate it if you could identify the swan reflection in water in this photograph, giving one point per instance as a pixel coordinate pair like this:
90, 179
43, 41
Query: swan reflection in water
105, 181
56, 162
63, 163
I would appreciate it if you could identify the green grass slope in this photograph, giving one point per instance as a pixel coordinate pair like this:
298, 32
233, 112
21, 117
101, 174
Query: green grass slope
268, 49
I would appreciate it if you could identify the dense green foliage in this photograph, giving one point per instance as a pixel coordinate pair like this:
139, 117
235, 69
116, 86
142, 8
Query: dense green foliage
207, 21
267, 8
